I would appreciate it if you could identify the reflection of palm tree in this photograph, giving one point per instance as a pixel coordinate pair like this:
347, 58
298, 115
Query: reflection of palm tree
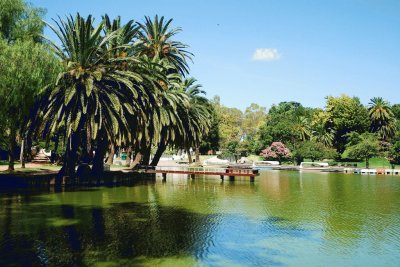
381, 117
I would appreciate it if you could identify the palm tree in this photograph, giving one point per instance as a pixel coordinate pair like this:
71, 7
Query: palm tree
96, 93
382, 118
302, 128
155, 41
323, 135
170, 58
197, 118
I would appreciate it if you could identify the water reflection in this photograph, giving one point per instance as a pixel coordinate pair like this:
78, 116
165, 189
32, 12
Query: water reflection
282, 219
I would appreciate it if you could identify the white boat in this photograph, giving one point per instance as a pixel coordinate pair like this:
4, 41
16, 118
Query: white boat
265, 164
216, 162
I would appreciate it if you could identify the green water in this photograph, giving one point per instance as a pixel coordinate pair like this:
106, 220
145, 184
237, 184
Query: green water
283, 219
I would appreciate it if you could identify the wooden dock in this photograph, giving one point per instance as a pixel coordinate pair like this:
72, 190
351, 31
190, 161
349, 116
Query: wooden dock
193, 171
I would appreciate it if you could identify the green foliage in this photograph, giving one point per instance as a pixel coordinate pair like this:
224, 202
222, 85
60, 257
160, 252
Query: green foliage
287, 122
155, 41
394, 153
364, 146
212, 139
383, 121
230, 121
346, 114
20, 21
313, 150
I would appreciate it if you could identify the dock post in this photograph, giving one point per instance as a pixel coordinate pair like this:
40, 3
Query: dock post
231, 178
251, 179
192, 176
222, 177
164, 176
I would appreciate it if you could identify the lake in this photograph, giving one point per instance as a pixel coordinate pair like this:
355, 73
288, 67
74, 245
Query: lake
285, 218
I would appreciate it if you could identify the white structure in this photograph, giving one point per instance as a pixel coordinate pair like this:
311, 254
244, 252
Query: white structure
265, 164
216, 162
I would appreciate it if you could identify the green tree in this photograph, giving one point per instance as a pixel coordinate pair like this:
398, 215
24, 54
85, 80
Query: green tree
25, 70
346, 114
287, 122
382, 119
253, 118
212, 139
394, 153
230, 121
320, 131
155, 41
196, 119
99, 95
20, 21
363, 147
26, 67
313, 150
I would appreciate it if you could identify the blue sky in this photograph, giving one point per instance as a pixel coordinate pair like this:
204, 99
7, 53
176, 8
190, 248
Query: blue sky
266, 52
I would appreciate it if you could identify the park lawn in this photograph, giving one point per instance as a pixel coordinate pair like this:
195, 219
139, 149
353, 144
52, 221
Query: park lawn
377, 163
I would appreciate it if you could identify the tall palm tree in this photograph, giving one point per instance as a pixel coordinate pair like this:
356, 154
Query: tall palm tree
382, 118
197, 118
96, 93
155, 40
170, 57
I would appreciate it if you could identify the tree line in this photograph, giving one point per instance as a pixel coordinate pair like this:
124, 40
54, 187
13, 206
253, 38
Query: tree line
100, 85
344, 129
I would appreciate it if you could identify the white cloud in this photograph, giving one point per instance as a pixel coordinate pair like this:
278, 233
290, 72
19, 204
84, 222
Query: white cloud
266, 54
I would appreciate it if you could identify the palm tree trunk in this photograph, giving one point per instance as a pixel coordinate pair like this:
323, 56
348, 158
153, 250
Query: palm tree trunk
54, 154
128, 156
136, 161
11, 148
146, 154
22, 153
71, 156
189, 156
111, 153
160, 150
98, 161
162, 146
197, 152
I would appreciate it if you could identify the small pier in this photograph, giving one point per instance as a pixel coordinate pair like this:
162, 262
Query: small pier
193, 171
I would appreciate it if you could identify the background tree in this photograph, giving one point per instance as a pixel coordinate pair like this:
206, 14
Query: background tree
383, 121
253, 118
394, 154
346, 114
211, 141
314, 151
27, 66
362, 146
230, 121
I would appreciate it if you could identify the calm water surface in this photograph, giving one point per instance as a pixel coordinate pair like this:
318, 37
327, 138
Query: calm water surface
283, 219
